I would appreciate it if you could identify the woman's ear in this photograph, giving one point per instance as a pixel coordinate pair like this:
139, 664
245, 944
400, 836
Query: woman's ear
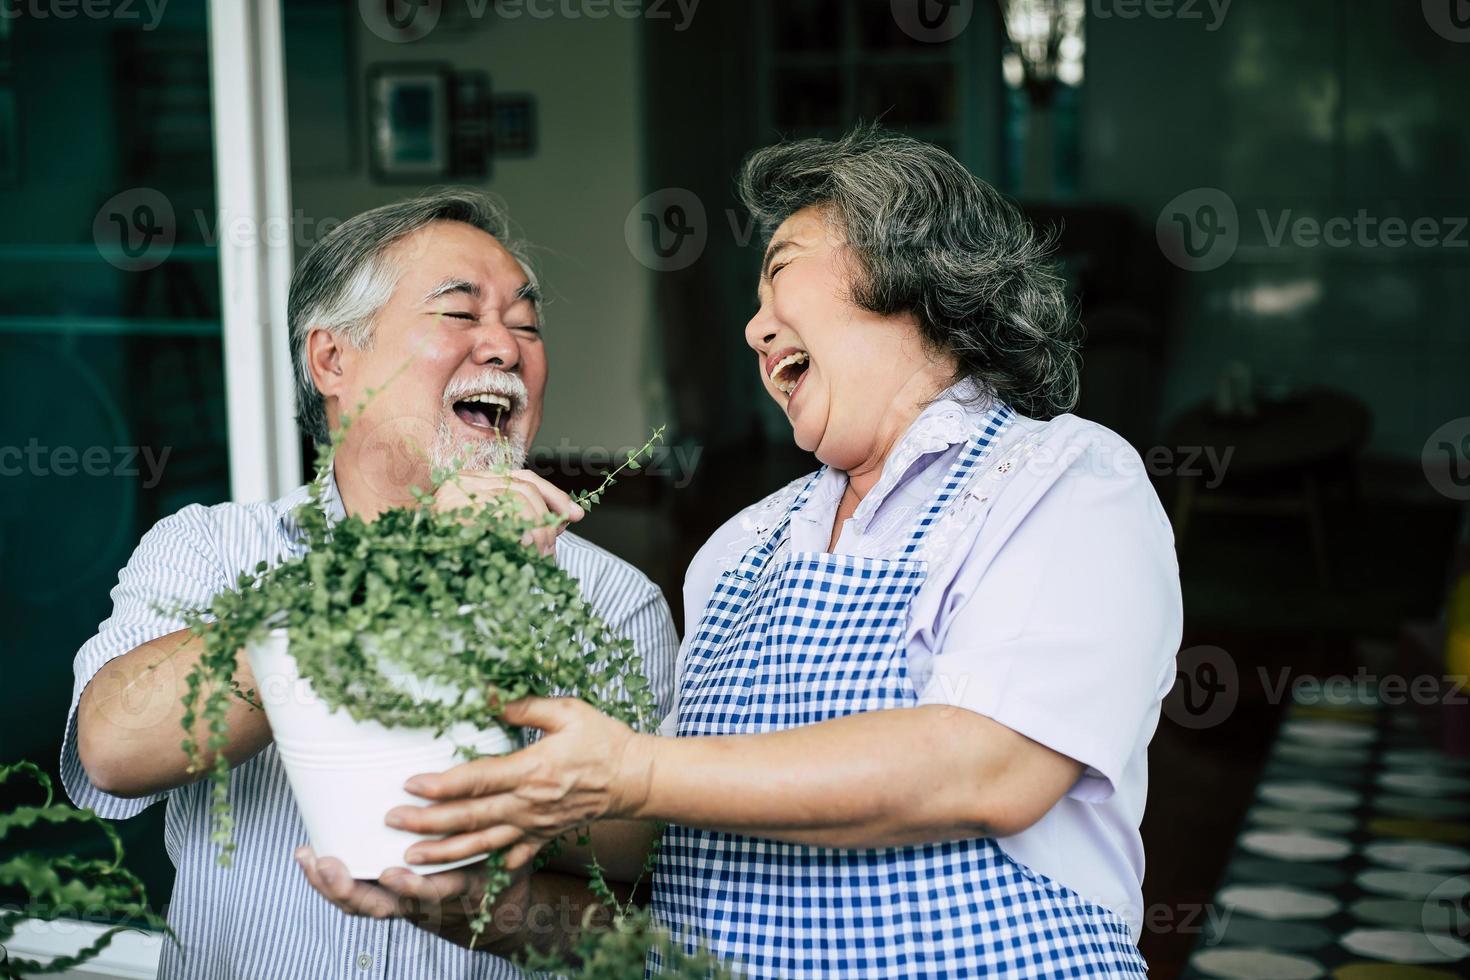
324, 359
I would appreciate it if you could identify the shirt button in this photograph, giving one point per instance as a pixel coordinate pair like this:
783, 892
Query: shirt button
364, 961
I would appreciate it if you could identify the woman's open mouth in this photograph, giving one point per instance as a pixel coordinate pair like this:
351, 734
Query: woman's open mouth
485, 412
788, 369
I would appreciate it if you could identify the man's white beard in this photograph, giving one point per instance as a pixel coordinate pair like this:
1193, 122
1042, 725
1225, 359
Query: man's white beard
473, 455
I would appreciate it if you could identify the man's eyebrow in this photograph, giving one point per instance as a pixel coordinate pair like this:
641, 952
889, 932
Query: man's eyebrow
528, 291
451, 286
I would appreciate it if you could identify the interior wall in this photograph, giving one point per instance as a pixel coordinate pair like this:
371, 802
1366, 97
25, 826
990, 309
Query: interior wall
1359, 113
702, 89
569, 199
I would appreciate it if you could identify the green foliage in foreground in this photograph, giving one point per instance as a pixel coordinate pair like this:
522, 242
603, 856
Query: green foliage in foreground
67, 887
385, 616
64, 886
621, 953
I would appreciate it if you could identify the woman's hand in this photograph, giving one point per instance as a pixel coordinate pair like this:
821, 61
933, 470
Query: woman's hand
586, 767
888, 778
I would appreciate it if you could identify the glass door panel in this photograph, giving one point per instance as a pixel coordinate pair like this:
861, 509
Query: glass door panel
112, 409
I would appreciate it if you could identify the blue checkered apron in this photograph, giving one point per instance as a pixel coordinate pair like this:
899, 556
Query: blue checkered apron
801, 638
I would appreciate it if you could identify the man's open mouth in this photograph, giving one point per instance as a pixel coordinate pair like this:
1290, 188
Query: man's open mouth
488, 412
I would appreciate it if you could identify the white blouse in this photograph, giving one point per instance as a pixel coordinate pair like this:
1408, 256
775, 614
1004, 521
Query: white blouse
1051, 605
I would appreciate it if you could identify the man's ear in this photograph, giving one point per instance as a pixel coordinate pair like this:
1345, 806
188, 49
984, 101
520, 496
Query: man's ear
324, 358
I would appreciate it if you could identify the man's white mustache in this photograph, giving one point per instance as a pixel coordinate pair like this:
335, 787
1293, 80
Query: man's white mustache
492, 382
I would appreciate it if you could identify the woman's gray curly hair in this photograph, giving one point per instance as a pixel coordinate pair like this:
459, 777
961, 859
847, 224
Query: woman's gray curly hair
931, 239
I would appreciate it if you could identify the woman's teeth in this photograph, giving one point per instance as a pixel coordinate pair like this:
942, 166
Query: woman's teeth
788, 371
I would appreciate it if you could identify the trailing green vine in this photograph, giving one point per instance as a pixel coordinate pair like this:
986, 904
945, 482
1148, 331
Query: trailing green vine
65, 886
416, 600
622, 952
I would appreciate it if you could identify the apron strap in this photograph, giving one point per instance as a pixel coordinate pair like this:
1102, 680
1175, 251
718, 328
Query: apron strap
755, 559
975, 450
959, 475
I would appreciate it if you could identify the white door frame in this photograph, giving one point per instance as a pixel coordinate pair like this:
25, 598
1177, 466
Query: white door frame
252, 177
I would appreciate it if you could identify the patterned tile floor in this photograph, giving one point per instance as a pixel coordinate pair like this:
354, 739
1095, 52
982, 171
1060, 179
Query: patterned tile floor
1354, 861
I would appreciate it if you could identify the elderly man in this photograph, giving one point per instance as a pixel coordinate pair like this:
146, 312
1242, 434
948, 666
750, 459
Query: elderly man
427, 303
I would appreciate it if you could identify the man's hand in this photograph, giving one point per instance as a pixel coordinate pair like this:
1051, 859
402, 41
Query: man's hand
443, 904
545, 911
534, 497
398, 894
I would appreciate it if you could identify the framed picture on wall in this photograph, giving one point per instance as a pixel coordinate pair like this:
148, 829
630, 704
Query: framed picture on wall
409, 128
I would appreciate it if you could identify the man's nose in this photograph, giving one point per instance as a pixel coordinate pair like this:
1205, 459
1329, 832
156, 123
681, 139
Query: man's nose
496, 346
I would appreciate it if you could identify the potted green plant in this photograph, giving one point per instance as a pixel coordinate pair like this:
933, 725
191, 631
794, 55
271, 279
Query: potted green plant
387, 648
63, 886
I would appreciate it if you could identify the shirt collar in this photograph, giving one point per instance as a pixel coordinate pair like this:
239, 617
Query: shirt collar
285, 508
950, 419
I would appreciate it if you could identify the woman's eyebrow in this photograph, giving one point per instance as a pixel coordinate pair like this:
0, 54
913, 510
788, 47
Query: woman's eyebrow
771, 253
775, 249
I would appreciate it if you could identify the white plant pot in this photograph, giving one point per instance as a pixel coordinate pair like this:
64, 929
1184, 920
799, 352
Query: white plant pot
345, 774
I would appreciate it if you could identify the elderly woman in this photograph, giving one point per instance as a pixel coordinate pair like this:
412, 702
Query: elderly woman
918, 687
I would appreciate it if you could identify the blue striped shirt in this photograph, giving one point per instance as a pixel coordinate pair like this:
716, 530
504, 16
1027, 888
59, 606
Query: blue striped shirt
260, 918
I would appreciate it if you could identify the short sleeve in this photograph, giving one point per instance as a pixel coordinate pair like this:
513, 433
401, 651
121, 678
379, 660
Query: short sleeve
1070, 634
171, 567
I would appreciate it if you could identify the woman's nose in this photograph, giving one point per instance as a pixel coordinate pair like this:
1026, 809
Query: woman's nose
759, 332
495, 345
